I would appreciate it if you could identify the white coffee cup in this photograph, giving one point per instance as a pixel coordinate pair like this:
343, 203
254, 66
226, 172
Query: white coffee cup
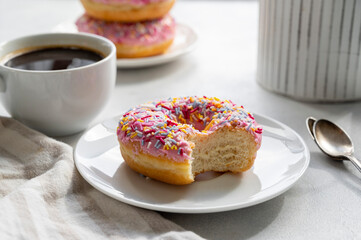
58, 102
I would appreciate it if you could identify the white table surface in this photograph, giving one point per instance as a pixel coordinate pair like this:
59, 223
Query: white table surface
323, 204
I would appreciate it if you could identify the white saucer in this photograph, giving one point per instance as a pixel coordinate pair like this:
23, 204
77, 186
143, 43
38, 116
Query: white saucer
281, 161
184, 42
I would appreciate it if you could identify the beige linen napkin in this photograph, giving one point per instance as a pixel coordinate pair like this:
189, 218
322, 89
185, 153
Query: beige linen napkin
42, 196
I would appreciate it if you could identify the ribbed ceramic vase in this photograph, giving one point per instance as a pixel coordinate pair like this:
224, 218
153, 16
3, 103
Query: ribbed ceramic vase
310, 49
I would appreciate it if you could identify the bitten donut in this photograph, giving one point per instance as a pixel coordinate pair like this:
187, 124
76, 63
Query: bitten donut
127, 10
133, 40
174, 140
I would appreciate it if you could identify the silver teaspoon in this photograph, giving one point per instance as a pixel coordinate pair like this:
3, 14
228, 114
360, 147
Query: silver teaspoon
334, 141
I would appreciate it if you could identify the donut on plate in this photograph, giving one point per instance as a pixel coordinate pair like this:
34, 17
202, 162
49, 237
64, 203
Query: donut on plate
127, 10
174, 140
133, 40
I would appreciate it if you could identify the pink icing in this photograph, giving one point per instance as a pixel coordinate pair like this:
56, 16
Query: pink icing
141, 33
161, 127
129, 2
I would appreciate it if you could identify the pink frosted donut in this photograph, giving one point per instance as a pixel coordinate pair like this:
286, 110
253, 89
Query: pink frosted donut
127, 10
174, 140
133, 40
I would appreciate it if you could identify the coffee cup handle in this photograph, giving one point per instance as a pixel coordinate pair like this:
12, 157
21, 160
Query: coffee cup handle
2, 84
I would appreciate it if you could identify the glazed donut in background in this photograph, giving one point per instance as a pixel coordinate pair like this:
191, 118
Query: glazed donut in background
127, 10
174, 140
133, 40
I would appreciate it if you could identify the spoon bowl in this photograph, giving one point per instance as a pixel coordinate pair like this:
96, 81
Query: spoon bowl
310, 122
333, 141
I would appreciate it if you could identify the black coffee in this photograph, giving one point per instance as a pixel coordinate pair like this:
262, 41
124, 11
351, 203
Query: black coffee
55, 58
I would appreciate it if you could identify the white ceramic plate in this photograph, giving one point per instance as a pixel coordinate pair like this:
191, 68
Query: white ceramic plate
184, 42
281, 161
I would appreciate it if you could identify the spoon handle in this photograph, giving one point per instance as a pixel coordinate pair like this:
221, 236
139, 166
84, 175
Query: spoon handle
355, 162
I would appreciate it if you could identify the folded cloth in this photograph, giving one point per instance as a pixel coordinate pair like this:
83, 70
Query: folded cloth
42, 196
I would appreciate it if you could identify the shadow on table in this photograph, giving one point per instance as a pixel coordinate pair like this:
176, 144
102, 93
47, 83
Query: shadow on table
249, 221
345, 173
